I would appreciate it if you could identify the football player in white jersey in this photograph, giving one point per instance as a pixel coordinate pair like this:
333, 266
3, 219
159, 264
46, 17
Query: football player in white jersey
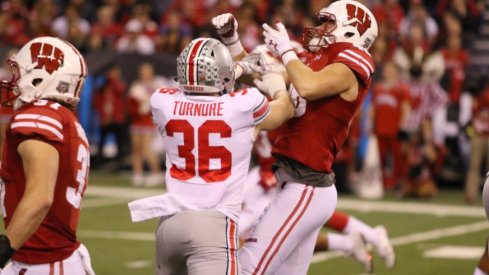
208, 130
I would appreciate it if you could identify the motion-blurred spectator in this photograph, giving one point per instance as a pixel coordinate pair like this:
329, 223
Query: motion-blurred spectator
6, 112
456, 62
416, 59
41, 18
142, 126
467, 11
175, 33
105, 31
71, 27
479, 145
389, 112
248, 29
418, 15
134, 40
141, 12
110, 103
389, 15
13, 29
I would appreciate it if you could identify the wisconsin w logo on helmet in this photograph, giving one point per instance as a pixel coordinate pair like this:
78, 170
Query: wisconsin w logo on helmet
48, 57
363, 22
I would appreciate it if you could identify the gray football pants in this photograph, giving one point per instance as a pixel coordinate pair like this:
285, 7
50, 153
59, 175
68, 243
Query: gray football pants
196, 243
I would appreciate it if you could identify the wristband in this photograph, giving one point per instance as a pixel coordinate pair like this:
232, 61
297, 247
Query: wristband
233, 44
235, 48
288, 56
6, 251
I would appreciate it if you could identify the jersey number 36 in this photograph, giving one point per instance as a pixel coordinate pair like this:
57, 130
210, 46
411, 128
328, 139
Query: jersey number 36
204, 153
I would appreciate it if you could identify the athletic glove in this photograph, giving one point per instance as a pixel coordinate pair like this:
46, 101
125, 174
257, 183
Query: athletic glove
278, 41
255, 62
271, 83
6, 251
227, 28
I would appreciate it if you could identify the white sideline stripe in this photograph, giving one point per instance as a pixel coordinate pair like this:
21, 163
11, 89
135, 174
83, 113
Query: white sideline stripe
117, 235
418, 237
122, 192
138, 264
98, 202
455, 252
441, 233
411, 208
345, 204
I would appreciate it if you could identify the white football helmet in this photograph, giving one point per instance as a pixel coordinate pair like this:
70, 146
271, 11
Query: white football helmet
45, 67
206, 66
342, 21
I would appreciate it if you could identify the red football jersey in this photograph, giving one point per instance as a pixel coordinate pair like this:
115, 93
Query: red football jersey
47, 121
316, 133
387, 103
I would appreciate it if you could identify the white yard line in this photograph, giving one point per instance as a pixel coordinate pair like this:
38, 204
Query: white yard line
116, 235
411, 208
122, 192
344, 204
418, 237
98, 202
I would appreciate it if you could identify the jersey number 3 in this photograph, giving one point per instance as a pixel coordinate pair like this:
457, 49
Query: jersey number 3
205, 151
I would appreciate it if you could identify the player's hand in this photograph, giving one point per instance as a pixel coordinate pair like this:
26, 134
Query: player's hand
255, 62
227, 27
271, 83
277, 40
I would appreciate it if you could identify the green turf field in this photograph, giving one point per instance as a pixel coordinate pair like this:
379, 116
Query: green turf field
439, 236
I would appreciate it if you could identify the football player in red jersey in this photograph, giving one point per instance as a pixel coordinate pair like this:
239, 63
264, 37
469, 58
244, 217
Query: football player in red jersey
328, 85
45, 161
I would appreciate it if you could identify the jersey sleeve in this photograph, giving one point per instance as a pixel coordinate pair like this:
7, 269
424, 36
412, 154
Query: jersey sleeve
261, 107
38, 123
359, 61
159, 98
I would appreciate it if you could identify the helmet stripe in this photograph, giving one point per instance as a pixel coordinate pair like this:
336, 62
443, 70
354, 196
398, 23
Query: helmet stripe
192, 68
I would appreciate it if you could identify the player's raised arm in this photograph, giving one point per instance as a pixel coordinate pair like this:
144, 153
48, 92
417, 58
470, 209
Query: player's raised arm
227, 28
333, 79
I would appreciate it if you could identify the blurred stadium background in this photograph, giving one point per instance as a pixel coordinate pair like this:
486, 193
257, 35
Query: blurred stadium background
436, 230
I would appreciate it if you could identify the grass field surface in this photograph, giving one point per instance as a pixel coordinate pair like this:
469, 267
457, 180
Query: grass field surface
437, 236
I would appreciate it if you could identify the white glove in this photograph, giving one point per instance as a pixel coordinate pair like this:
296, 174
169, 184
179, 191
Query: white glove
227, 27
255, 62
271, 83
277, 40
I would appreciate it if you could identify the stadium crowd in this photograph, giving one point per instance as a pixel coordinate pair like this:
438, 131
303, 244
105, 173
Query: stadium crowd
424, 108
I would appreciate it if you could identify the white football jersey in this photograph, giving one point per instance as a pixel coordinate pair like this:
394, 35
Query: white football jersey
208, 143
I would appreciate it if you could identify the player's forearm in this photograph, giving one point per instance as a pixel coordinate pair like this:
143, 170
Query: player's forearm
281, 109
304, 79
26, 219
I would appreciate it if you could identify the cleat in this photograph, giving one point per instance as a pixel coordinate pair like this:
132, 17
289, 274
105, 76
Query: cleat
384, 247
360, 252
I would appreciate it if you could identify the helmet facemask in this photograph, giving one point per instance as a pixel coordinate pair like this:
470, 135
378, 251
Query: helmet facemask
342, 21
315, 38
9, 90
